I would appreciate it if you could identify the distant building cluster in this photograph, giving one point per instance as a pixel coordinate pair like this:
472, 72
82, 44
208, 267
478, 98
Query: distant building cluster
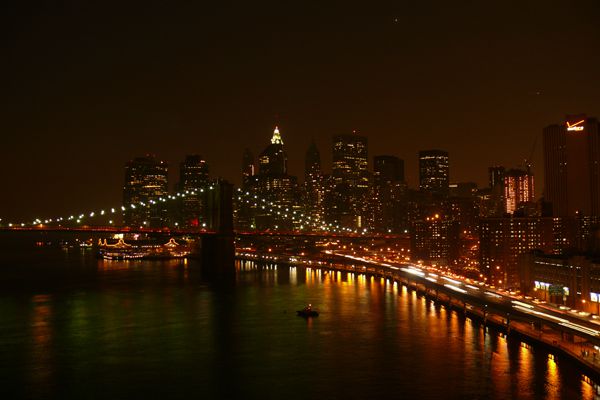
146, 183
488, 233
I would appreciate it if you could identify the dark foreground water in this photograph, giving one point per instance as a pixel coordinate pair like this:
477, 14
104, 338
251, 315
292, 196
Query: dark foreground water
74, 327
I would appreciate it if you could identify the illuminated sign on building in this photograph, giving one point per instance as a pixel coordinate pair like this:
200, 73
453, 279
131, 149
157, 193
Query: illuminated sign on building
575, 126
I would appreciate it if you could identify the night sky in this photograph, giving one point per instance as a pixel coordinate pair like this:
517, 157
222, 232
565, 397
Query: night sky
86, 87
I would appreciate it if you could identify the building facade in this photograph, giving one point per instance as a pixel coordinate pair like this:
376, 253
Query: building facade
518, 189
347, 198
572, 166
434, 172
435, 240
146, 181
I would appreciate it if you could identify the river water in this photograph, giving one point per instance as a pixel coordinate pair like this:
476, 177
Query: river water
73, 327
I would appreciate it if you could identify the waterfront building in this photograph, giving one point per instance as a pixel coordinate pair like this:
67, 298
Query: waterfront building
146, 181
572, 166
573, 281
502, 240
435, 240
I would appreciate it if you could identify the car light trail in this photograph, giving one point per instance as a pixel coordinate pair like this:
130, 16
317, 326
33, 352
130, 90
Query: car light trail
581, 328
413, 271
457, 289
472, 287
451, 280
493, 295
541, 314
522, 304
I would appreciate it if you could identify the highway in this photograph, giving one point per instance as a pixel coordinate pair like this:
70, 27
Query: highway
512, 306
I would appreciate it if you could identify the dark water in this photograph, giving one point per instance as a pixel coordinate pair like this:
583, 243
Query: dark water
84, 328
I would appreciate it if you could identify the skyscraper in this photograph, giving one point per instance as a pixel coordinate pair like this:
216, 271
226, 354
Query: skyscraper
273, 160
347, 201
389, 197
248, 167
145, 180
572, 166
194, 179
518, 189
496, 176
276, 187
350, 160
313, 182
434, 175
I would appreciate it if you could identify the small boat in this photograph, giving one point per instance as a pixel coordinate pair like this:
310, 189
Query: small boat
308, 311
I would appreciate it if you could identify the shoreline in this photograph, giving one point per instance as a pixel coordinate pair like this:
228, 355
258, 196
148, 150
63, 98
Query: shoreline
590, 372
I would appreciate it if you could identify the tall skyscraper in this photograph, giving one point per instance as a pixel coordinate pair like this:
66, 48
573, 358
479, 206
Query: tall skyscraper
145, 180
389, 199
387, 169
248, 167
347, 203
496, 176
518, 189
275, 186
193, 178
273, 160
572, 167
350, 160
245, 211
313, 183
434, 172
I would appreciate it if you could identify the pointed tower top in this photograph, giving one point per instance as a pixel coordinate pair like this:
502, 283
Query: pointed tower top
276, 139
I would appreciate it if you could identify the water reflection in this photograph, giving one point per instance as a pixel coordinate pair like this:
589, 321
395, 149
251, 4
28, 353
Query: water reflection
163, 329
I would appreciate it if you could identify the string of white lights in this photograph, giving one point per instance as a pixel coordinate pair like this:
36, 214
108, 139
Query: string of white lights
82, 218
299, 219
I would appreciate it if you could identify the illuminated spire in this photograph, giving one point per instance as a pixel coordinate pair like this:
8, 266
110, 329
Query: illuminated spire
276, 139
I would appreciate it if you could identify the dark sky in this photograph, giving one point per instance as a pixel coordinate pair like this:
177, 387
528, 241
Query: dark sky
86, 87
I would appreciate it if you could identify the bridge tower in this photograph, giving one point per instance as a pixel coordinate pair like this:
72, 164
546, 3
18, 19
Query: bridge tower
217, 249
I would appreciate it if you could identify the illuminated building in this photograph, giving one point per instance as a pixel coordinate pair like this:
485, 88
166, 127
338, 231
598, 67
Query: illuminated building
572, 166
518, 189
276, 187
435, 240
194, 180
502, 240
350, 160
248, 167
245, 212
496, 177
273, 160
145, 181
347, 201
389, 195
313, 183
434, 172
462, 205
570, 280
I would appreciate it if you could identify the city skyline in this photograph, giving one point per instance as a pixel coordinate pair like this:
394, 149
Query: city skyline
87, 88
